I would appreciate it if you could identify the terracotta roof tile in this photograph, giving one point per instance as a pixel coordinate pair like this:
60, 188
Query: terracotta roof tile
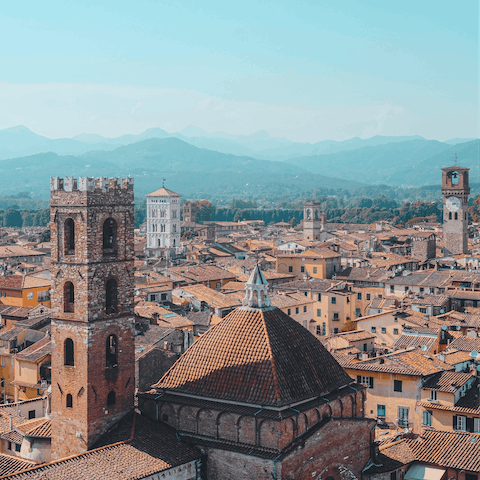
256, 356
10, 465
453, 450
152, 449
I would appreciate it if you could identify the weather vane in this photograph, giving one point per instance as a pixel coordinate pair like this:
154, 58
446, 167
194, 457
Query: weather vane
163, 183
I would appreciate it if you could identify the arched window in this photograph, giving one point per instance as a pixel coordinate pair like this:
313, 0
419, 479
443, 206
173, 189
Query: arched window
455, 178
69, 401
111, 350
109, 234
69, 236
68, 297
449, 215
111, 400
111, 296
69, 352
456, 215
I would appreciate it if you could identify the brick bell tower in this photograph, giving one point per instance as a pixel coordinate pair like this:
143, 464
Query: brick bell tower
313, 221
455, 191
93, 357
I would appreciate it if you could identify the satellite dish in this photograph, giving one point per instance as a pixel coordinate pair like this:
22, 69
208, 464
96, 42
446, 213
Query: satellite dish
473, 354
424, 348
405, 430
442, 311
478, 368
458, 327
444, 327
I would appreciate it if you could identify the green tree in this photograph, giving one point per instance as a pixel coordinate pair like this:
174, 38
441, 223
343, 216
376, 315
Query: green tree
13, 218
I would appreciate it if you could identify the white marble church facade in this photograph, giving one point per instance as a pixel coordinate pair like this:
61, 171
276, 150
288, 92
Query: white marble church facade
163, 222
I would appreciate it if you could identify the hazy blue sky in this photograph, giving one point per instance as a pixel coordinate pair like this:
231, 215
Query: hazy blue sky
306, 70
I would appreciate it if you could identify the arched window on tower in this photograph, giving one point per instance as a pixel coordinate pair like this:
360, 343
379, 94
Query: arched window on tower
111, 352
69, 401
68, 353
111, 400
68, 297
456, 215
449, 215
109, 234
69, 236
455, 178
111, 296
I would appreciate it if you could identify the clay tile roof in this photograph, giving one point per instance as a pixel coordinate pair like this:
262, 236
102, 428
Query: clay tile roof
453, 450
151, 449
447, 381
163, 192
10, 465
37, 427
466, 344
256, 356
37, 351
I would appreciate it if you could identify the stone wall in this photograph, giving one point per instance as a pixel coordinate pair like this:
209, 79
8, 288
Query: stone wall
83, 405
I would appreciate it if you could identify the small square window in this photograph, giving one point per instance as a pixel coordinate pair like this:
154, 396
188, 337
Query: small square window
296, 309
289, 312
319, 312
395, 331
319, 297
335, 331
18, 447
334, 300
433, 395
335, 316
314, 269
368, 296
374, 329
290, 269
302, 269
397, 385
359, 296
304, 308
384, 330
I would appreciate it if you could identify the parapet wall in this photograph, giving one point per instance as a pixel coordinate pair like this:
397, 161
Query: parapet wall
91, 191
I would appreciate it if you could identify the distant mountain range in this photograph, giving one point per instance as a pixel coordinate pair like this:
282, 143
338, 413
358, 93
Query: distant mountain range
274, 168
193, 172
408, 163
20, 141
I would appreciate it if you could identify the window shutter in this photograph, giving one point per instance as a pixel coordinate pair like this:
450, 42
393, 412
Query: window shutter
371, 382
469, 424
359, 379
454, 422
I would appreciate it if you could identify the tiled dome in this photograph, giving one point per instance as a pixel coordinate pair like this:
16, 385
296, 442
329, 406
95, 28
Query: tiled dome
257, 356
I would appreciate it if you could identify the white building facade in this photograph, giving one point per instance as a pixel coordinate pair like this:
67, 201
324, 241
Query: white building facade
163, 221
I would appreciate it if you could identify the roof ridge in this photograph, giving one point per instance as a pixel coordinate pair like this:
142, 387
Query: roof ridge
272, 362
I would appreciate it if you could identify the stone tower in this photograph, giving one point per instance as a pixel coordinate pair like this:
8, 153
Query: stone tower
455, 191
93, 357
163, 221
313, 221
189, 212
